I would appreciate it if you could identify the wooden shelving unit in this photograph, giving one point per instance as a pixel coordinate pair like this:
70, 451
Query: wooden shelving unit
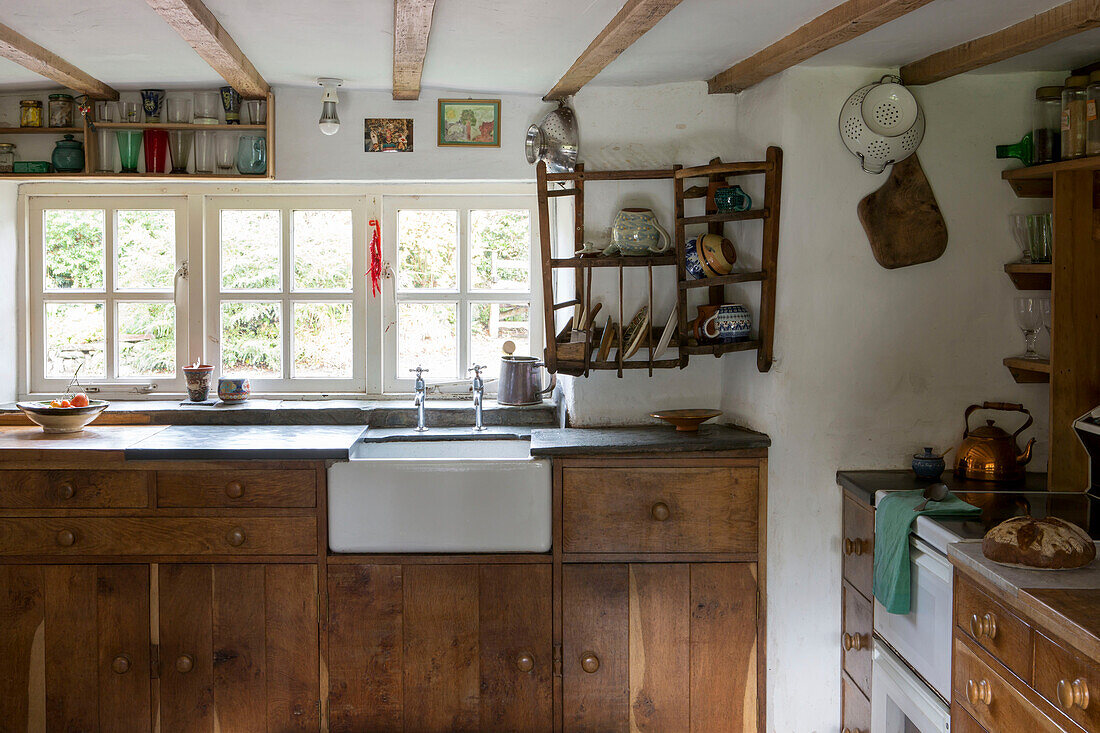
571, 350
1028, 371
1029, 276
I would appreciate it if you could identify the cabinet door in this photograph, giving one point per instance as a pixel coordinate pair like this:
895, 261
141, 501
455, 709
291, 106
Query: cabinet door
238, 647
440, 647
74, 647
659, 647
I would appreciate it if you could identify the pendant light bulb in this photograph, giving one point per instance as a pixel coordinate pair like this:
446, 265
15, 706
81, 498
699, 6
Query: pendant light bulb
330, 121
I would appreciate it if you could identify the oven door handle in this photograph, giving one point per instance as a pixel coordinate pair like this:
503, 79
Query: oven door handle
927, 558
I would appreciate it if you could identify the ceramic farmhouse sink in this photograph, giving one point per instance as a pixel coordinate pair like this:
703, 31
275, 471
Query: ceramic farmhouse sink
440, 496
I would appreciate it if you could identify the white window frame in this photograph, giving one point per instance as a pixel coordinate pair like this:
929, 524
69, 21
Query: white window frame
286, 296
110, 296
463, 295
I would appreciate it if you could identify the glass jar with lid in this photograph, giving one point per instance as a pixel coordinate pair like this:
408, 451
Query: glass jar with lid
1073, 116
61, 110
30, 113
7, 157
1092, 121
1046, 125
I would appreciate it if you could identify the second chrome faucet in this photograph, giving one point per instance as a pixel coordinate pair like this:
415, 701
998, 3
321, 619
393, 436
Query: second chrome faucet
421, 393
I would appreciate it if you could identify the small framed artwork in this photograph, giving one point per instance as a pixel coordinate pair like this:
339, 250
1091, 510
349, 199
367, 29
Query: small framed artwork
469, 123
387, 135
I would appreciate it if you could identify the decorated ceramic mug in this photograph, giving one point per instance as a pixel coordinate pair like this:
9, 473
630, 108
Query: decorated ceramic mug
636, 232
198, 381
730, 322
234, 389
709, 255
732, 198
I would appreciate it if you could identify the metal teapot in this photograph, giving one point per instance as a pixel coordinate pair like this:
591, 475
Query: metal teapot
988, 453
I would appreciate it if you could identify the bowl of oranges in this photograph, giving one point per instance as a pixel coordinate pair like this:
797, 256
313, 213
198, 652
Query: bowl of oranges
67, 414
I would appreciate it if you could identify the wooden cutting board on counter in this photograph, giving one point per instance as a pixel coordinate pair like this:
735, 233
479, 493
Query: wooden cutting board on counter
902, 219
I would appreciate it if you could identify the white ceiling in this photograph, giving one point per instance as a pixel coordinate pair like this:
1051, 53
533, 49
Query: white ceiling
503, 46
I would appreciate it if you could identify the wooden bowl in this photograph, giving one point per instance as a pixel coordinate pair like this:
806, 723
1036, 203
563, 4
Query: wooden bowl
61, 419
686, 421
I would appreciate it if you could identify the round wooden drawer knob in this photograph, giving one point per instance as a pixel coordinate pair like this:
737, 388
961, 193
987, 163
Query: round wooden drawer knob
1073, 694
66, 538
660, 511
853, 641
121, 664
590, 662
185, 663
525, 662
66, 490
235, 537
234, 490
983, 626
979, 693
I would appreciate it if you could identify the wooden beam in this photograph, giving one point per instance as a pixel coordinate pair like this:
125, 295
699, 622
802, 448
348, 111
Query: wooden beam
412, 22
198, 26
25, 52
839, 25
1035, 32
629, 24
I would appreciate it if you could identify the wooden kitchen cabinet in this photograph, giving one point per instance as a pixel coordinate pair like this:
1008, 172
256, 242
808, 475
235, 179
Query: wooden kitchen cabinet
440, 647
857, 612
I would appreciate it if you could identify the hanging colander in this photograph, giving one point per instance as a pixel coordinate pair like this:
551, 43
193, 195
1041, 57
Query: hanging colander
881, 124
556, 141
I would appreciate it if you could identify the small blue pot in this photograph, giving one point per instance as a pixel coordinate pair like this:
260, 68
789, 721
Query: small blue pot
234, 389
928, 464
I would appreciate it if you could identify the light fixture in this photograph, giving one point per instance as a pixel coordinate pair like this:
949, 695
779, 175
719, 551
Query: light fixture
330, 121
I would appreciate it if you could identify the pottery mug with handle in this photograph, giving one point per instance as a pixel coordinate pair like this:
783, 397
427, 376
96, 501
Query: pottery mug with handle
636, 232
730, 322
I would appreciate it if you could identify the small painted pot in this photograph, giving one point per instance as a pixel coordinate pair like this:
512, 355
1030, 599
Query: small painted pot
151, 101
234, 389
732, 198
730, 322
198, 381
928, 464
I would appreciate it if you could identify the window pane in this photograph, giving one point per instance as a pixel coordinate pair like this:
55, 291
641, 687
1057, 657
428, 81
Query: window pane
251, 339
427, 243
491, 324
74, 251
250, 250
322, 250
322, 340
74, 336
146, 339
500, 249
427, 337
146, 249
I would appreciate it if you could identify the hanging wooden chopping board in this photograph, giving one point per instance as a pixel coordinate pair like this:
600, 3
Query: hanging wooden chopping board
902, 219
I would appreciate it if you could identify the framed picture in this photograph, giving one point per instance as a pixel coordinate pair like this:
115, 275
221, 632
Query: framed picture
387, 135
469, 123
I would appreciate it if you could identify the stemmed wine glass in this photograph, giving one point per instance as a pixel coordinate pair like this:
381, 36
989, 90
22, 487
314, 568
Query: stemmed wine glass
1029, 318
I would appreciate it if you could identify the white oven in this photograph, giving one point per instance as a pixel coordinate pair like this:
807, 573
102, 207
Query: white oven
900, 701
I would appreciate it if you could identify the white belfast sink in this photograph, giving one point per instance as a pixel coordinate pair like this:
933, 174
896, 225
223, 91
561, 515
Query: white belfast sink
440, 496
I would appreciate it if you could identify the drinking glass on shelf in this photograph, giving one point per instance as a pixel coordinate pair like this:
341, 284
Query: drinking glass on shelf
1040, 236
128, 111
1029, 318
204, 151
179, 108
257, 111
226, 151
207, 105
1048, 313
105, 112
1018, 224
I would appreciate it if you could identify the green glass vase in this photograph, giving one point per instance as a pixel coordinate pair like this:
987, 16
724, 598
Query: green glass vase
1021, 151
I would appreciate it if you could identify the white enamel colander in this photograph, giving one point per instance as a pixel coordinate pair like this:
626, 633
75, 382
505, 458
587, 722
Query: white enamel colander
881, 124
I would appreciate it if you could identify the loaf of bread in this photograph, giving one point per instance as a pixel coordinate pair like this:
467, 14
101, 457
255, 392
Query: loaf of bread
1049, 543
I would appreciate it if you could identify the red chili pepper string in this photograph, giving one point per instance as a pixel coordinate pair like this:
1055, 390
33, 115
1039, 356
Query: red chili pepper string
375, 258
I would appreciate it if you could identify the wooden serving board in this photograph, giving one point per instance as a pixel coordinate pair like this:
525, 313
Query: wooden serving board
902, 219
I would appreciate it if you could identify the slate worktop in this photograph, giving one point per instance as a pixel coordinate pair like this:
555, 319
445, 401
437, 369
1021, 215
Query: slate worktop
655, 439
246, 442
864, 484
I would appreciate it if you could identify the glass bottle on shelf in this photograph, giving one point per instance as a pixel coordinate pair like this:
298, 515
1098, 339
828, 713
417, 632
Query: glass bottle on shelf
1092, 121
1022, 151
1073, 117
1046, 125
30, 113
7, 157
61, 110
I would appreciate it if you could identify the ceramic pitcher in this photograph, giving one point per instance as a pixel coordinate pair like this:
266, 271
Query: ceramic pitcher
636, 232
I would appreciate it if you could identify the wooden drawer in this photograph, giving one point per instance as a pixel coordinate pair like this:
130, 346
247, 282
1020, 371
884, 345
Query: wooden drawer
962, 722
1070, 682
996, 629
856, 638
856, 709
993, 702
858, 544
89, 536
660, 509
295, 488
74, 489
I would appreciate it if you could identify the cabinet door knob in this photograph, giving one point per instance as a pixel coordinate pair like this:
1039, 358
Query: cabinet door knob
660, 511
121, 664
235, 537
853, 641
234, 490
1073, 694
525, 662
979, 692
853, 547
185, 663
590, 662
66, 538
985, 625
66, 490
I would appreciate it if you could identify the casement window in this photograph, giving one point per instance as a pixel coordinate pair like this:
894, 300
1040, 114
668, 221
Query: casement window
463, 277
104, 294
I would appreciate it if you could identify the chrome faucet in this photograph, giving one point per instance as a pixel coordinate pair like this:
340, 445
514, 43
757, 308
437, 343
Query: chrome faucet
418, 400
479, 395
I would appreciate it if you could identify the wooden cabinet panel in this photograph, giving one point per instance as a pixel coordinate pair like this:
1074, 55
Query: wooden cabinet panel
990, 699
995, 628
855, 708
856, 637
74, 489
1070, 682
243, 488
962, 722
660, 509
858, 542
438, 647
80, 536
659, 647
74, 647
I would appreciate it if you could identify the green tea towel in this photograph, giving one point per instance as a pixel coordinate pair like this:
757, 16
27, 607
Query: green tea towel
894, 516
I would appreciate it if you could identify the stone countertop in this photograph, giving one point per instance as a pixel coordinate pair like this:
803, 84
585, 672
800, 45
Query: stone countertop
655, 439
31, 441
246, 442
864, 484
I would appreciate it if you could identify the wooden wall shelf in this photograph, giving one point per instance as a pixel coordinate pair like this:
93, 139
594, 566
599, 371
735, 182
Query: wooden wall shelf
1037, 181
41, 130
1028, 371
1030, 276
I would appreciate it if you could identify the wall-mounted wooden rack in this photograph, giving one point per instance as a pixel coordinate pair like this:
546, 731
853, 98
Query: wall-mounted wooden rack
1029, 275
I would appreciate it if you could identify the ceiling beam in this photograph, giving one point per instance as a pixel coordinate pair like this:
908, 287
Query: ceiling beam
1035, 32
839, 25
27, 53
629, 24
198, 26
412, 22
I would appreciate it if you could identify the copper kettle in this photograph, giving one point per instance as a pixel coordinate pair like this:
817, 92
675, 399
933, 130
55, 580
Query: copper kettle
988, 453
